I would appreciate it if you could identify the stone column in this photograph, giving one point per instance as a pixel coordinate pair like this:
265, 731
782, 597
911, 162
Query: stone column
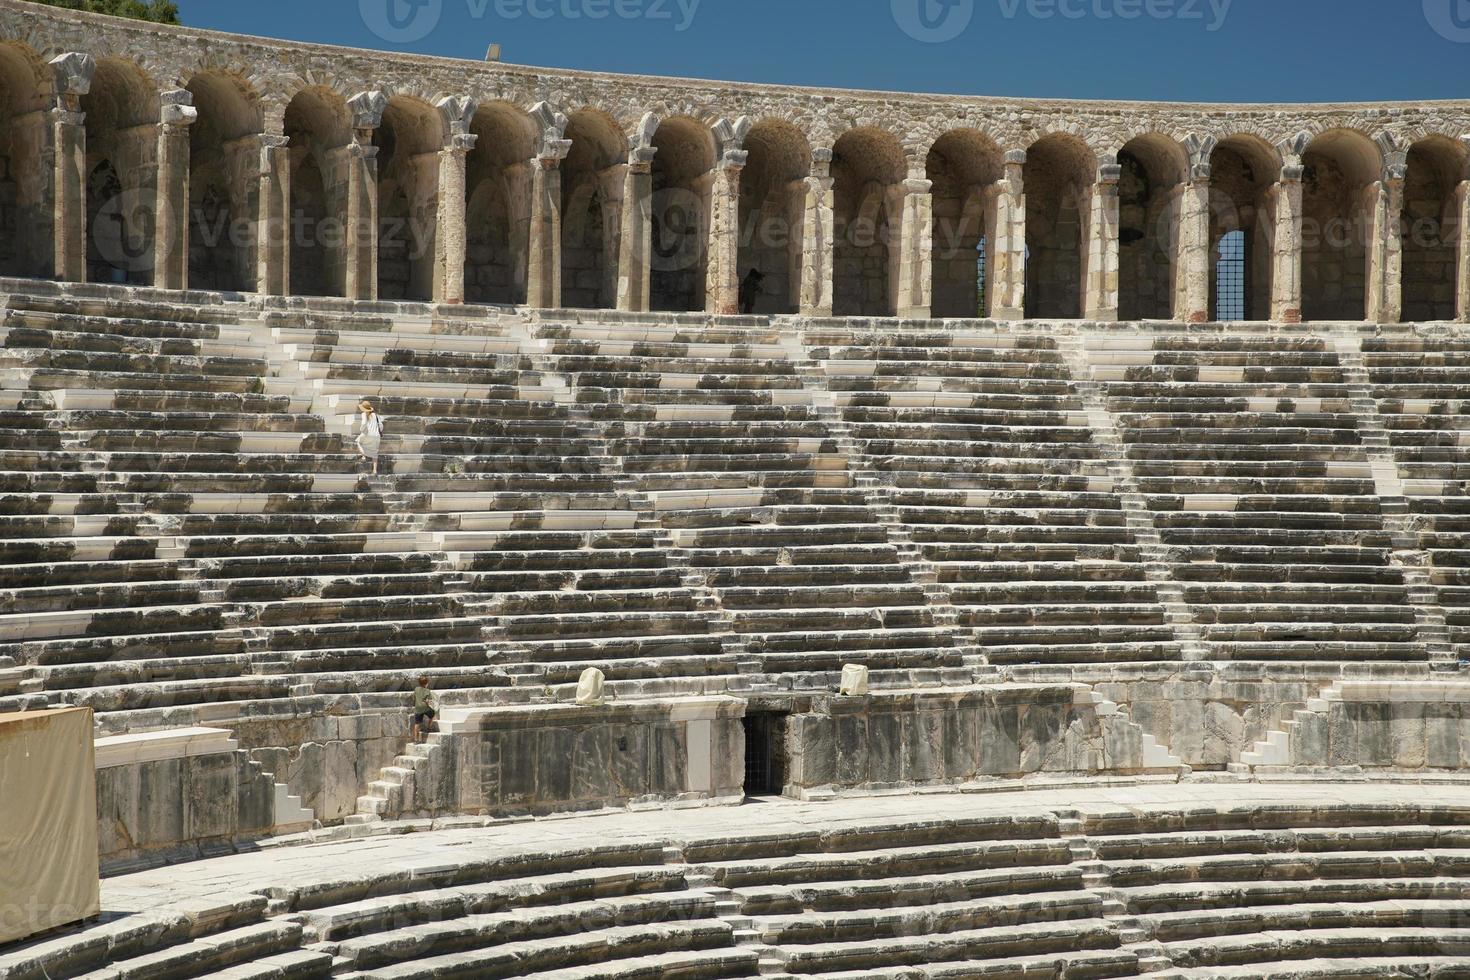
1005, 242
637, 230
722, 272
171, 206
450, 234
1386, 244
72, 75
1286, 247
543, 267
816, 238
273, 219
361, 238
1193, 297
913, 299
1100, 282
1462, 253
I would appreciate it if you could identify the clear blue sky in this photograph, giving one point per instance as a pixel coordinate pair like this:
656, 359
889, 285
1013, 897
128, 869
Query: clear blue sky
1208, 50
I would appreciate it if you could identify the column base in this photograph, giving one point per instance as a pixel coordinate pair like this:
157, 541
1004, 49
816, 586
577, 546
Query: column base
915, 313
1008, 313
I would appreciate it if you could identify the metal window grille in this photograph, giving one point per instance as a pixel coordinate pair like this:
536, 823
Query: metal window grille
1230, 277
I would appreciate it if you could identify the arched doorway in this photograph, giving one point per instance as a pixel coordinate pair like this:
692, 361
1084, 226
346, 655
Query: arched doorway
408, 143
122, 167
224, 184
1059, 174
1152, 171
772, 209
1431, 228
963, 167
25, 213
497, 206
868, 170
591, 195
682, 182
1243, 171
318, 127
1339, 188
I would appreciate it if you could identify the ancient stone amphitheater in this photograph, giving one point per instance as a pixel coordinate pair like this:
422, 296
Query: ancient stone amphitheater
1126, 447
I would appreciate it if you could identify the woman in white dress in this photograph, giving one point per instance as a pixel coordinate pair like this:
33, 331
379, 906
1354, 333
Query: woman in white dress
370, 434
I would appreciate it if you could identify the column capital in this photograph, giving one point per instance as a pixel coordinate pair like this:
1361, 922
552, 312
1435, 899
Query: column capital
367, 109
553, 152
918, 185
461, 143
1292, 173
640, 158
822, 161
732, 160
71, 75
176, 108
1108, 174
361, 151
456, 113
1015, 158
1200, 173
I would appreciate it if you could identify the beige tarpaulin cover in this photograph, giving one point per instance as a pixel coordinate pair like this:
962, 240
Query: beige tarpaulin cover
48, 821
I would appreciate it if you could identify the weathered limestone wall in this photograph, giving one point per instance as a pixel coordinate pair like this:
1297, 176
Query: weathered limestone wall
544, 758
952, 736
182, 794
1403, 727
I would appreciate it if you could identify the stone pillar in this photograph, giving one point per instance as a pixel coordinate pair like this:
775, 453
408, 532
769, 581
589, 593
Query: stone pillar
1005, 242
1286, 247
1462, 253
72, 75
913, 299
816, 238
637, 231
451, 232
1100, 281
1386, 244
361, 238
1193, 297
171, 206
543, 267
722, 272
273, 219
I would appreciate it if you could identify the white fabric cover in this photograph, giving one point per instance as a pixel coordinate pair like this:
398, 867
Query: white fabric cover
48, 821
589, 689
854, 681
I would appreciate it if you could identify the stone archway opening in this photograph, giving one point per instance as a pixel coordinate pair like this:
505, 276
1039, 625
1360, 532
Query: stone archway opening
25, 210
1430, 228
224, 183
683, 179
1339, 189
319, 129
591, 201
1059, 174
772, 209
497, 205
1152, 173
122, 167
963, 167
408, 142
868, 170
1243, 172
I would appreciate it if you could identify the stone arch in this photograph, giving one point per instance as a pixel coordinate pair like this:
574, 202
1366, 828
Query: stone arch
1059, 174
318, 127
25, 212
497, 204
591, 194
682, 184
224, 182
1340, 183
1152, 171
963, 166
408, 141
122, 166
1244, 169
868, 170
772, 209
1430, 227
